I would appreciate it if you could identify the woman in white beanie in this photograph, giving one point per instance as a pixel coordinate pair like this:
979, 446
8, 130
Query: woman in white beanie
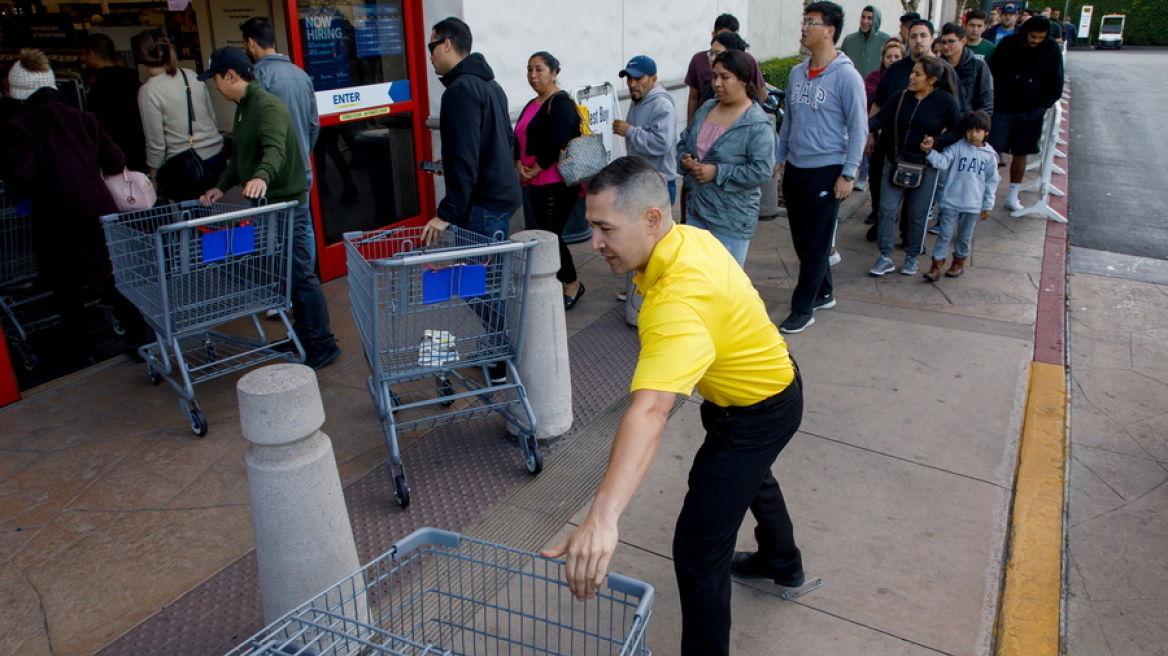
56, 155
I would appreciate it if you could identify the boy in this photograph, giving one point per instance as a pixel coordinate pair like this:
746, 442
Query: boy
973, 178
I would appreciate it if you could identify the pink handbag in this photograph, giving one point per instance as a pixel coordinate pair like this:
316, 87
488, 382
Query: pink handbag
131, 190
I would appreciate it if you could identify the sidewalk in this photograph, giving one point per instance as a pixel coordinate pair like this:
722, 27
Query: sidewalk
899, 482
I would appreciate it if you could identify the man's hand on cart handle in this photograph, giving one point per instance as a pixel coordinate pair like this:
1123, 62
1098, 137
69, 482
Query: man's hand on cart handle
433, 230
213, 194
255, 188
588, 551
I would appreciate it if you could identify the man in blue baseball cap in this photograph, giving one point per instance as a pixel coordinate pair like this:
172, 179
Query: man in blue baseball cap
651, 129
1008, 26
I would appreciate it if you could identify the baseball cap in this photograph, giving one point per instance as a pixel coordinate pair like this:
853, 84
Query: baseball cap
639, 67
226, 59
1009, 9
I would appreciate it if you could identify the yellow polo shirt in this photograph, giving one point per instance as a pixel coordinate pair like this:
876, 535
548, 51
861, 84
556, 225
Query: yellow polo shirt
703, 324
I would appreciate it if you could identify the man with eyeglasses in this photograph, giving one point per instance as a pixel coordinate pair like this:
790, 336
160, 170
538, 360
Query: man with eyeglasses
482, 184
974, 82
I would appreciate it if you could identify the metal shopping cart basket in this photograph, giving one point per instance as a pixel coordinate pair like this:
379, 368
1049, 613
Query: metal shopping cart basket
187, 268
17, 267
429, 317
440, 593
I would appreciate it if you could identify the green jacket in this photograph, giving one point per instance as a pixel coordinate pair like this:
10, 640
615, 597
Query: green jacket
264, 146
865, 49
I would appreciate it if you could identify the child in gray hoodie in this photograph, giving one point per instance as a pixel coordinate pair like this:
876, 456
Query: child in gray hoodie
969, 191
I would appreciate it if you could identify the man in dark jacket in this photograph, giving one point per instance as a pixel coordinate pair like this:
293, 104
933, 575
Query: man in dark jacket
482, 184
974, 82
1028, 79
114, 98
266, 161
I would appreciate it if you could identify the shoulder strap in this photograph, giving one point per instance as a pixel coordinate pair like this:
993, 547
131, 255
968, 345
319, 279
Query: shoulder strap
190, 111
896, 124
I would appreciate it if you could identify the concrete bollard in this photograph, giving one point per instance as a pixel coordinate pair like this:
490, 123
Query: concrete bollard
304, 543
543, 364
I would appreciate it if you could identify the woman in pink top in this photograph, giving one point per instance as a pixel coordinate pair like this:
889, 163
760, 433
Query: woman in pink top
547, 124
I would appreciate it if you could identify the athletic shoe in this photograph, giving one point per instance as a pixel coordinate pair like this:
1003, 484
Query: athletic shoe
823, 304
882, 266
871, 219
910, 266
935, 229
622, 297
860, 186
796, 322
750, 566
322, 358
1013, 204
497, 373
834, 258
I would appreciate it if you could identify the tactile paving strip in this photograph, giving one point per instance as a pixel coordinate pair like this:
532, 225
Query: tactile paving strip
456, 473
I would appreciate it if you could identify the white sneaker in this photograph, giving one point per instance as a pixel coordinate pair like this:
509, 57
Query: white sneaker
834, 258
860, 186
622, 297
1013, 204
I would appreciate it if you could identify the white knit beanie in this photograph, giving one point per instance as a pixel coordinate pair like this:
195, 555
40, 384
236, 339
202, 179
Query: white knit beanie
22, 82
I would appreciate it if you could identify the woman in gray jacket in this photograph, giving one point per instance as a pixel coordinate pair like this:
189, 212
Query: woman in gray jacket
727, 152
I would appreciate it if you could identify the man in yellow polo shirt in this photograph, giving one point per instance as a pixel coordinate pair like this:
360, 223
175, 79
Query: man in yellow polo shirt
702, 324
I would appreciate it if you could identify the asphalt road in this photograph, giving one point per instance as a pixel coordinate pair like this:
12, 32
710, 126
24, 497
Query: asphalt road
1119, 151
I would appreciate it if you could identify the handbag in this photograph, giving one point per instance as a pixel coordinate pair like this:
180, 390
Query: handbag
584, 155
183, 176
131, 190
906, 174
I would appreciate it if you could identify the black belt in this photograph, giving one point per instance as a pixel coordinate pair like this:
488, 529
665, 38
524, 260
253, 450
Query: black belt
766, 404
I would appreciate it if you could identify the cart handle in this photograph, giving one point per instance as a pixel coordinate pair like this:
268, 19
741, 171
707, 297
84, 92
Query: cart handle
228, 216
426, 257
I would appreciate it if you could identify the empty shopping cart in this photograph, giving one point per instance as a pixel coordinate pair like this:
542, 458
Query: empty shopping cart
431, 318
440, 593
188, 268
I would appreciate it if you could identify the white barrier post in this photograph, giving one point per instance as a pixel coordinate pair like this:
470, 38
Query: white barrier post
304, 542
544, 366
1045, 168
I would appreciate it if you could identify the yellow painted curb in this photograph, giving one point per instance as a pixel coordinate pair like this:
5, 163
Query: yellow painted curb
1028, 618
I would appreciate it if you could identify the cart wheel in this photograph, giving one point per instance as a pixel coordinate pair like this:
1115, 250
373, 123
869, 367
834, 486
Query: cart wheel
445, 389
117, 326
155, 377
533, 457
401, 490
28, 359
198, 421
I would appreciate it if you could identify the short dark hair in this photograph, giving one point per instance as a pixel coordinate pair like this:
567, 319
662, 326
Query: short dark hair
1035, 24
832, 14
457, 31
909, 17
726, 22
732, 40
976, 121
260, 30
953, 28
638, 186
102, 46
921, 21
974, 13
741, 65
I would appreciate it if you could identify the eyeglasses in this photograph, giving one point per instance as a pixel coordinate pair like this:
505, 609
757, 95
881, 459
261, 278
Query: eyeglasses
435, 44
808, 23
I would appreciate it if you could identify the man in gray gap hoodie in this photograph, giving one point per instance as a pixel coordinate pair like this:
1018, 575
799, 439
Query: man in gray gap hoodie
651, 129
821, 141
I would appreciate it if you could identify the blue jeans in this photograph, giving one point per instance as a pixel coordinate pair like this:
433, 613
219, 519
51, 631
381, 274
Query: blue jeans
736, 245
489, 223
311, 321
963, 241
918, 202
672, 184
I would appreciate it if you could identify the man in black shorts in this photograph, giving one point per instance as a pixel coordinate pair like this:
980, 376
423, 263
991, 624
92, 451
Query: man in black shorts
1028, 79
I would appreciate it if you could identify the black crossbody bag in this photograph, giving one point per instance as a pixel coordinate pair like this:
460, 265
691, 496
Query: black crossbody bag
183, 176
906, 174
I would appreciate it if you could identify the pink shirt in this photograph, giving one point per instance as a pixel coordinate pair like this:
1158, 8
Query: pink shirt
547, 176
707, 136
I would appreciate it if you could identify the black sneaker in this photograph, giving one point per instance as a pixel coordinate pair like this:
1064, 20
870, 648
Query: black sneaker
796, 322
323, 357
497, 373
825, 303
748, 565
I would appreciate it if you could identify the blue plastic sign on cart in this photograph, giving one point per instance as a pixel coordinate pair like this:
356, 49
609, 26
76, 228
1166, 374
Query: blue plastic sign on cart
462, 281
232, 241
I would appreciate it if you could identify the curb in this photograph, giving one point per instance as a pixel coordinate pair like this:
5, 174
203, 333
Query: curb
1029, 614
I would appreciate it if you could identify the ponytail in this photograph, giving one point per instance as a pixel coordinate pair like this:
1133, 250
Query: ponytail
154, 49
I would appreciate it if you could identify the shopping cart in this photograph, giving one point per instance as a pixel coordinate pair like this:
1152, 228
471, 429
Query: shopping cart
429, 316
17, 268
187, 268
437, 592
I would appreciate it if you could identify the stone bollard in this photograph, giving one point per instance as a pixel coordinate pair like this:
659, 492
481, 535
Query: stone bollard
543, 364
304, 543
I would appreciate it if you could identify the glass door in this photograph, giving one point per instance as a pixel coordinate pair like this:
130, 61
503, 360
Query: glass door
366, 60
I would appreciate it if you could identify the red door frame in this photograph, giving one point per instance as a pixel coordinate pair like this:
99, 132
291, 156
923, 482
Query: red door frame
332, 257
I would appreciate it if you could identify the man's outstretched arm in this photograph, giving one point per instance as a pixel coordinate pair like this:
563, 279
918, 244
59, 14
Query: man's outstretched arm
590, 547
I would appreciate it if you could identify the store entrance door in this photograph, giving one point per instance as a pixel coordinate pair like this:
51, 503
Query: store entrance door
368, 69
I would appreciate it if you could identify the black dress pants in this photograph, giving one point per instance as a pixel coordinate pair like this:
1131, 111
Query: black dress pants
732, 473
552, 205
812, 210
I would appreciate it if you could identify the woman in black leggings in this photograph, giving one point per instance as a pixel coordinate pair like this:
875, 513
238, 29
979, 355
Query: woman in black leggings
547, 124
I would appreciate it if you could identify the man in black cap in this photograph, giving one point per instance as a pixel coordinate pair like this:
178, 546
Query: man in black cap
266, 160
